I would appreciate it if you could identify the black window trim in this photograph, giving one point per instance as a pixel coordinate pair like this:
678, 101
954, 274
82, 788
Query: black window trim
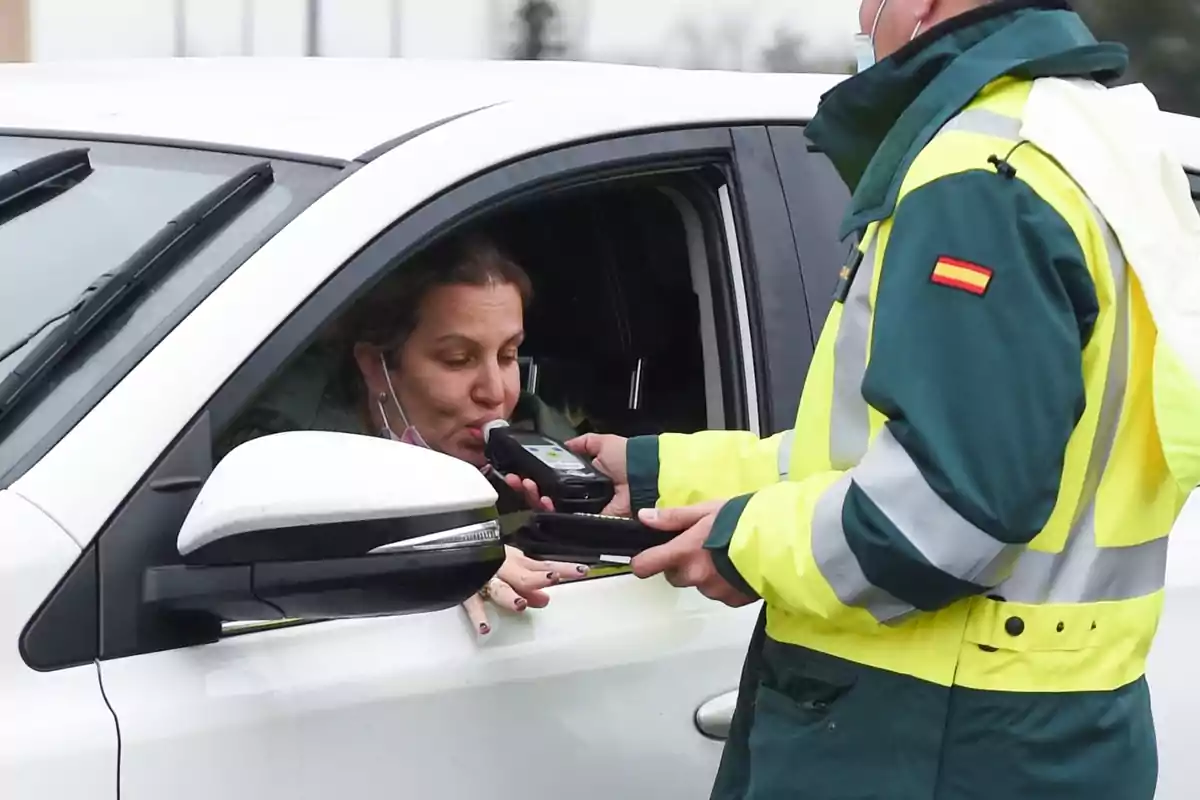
50, 639
780, 323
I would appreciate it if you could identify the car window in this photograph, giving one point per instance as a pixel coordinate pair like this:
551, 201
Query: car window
616, 338
52, 251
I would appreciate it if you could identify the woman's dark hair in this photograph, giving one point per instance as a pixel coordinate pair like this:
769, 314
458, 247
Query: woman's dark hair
389, 314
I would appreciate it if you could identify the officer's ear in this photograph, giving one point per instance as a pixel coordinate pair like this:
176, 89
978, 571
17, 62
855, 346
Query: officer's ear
922, 11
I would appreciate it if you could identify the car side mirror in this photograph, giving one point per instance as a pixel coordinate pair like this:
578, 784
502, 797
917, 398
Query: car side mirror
318, 525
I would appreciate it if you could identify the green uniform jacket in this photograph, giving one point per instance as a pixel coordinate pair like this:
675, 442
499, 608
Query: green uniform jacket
947, 614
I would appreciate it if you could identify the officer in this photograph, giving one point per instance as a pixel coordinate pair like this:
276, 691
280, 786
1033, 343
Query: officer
961, 545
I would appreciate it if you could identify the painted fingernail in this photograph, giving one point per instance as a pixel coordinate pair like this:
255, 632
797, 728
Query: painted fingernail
521, 603
484, 628
582, 570
550, 576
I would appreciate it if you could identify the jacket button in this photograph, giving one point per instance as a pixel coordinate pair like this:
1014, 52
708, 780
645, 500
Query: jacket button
1014, 626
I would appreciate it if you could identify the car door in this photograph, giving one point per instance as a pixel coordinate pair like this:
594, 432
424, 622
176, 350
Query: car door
596, 696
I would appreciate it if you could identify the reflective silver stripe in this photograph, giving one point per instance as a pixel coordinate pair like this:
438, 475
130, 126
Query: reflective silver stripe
850, 421
840, 566
1084, 573
784, 458
894, 483
988, 123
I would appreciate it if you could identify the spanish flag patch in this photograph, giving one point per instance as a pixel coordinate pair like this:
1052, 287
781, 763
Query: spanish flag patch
963, 275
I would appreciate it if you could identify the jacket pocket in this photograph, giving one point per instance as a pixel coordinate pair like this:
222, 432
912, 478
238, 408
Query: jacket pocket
796, 730
829, 729
809, 711
798, 749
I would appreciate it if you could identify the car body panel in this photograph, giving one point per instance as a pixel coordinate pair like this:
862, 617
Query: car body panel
576, 699
341, 108
46, 717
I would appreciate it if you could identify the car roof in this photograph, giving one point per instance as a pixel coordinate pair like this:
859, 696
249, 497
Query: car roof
341, 108
335, 108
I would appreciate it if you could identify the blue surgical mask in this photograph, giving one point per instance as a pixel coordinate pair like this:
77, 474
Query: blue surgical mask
864, 43
864, 51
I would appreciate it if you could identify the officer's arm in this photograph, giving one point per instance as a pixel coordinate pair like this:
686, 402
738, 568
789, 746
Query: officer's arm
681, 469
983, 310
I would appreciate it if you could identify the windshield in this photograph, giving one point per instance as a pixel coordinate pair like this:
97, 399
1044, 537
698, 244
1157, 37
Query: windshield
51, 252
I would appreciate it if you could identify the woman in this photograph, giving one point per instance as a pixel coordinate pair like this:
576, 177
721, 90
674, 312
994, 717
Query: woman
428, 358
436, 349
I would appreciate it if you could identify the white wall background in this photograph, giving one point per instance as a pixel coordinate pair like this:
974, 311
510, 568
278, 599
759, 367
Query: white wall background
605, 29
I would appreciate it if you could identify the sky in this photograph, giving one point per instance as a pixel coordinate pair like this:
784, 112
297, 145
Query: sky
646, 30
829, 25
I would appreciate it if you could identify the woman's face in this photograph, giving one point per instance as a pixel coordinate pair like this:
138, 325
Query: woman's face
458, 369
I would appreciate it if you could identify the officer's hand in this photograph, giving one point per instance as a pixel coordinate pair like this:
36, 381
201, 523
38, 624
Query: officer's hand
684, 561
607, 452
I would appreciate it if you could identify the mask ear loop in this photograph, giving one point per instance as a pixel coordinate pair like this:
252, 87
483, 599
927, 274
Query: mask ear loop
387, 376
875, 24
395, 401
387, 428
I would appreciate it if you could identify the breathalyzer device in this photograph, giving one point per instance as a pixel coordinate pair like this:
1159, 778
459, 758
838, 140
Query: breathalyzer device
572, 483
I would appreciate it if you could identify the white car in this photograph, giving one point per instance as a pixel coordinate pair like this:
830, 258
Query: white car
682, 240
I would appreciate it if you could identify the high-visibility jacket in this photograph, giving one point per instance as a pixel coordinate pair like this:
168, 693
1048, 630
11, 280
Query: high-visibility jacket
961, 544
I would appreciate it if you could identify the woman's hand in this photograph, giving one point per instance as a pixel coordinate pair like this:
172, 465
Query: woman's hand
529, 490
519, 585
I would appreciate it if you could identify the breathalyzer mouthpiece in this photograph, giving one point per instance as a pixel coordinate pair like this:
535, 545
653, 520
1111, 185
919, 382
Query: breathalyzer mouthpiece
491, 426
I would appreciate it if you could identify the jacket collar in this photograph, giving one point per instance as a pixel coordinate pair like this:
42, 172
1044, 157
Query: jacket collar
874, 124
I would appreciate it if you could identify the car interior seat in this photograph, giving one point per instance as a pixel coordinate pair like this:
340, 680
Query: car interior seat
613, 329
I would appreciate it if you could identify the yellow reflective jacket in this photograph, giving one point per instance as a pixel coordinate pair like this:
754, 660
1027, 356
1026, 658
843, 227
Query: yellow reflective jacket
974, 493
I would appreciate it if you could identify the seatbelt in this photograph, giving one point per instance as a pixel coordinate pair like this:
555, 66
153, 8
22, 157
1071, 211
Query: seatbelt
1111, 142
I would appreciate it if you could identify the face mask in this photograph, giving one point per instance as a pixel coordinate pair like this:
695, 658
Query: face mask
411, 435
864, 43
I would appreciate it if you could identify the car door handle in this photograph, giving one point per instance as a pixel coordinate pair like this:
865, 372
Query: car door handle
714, 717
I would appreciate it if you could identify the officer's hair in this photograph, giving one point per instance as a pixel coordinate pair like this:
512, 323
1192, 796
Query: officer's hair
389, 313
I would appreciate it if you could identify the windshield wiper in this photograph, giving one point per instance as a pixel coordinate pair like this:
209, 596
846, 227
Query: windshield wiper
29, 185
178, 239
